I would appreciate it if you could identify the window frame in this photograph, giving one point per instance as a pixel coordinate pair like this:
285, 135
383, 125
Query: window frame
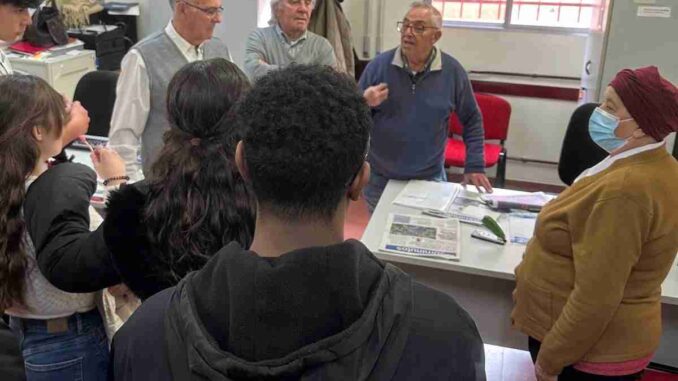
506, 25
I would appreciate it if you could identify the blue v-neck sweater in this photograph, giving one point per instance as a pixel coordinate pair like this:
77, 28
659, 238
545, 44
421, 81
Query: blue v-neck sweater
410, 127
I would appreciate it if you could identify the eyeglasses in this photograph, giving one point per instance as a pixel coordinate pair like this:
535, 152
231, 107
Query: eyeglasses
212, 11
402, 27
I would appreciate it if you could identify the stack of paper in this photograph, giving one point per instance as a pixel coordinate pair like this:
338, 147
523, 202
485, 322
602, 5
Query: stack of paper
521, 227
433, 195
470, 208
530, 201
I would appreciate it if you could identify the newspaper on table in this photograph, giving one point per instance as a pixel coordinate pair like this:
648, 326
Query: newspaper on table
469, 208
521, 226
433, 195
422, 236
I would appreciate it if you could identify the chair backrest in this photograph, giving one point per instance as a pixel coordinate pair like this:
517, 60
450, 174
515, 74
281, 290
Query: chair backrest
96, 92
496, 113
579, 151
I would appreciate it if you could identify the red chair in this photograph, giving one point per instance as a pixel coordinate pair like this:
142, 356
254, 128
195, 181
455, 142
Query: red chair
496, 113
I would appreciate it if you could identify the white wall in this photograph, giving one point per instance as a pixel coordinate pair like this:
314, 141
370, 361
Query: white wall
515, 52
240, 18
527, 52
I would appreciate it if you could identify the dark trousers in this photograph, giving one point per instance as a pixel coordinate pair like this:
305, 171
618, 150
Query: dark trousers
571, 374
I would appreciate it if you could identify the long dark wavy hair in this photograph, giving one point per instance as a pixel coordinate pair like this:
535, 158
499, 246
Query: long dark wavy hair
25, 102
198, 201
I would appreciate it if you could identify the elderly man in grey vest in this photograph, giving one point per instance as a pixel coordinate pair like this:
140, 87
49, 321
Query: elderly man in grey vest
139, 117
287, 40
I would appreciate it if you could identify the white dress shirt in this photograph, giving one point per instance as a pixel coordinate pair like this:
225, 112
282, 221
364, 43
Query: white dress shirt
5, 66
133, 102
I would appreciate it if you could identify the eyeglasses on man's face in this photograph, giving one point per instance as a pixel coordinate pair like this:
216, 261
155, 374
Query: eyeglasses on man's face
209, 11
403, 26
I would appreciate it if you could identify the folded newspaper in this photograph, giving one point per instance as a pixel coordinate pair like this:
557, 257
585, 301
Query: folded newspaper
422, 236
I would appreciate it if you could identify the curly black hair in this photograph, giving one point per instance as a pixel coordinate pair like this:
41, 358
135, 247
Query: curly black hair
33, 4
307, 130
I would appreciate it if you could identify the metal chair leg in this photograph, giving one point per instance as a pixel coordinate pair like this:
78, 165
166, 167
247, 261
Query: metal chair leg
500, 179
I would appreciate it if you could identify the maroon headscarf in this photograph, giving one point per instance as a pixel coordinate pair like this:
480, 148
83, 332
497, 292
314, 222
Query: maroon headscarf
651, 100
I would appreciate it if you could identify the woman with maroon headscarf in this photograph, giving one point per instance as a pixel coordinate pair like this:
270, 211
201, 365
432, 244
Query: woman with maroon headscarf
589, 286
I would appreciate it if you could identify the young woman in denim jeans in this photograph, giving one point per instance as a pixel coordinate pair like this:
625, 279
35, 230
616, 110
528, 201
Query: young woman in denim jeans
61, 334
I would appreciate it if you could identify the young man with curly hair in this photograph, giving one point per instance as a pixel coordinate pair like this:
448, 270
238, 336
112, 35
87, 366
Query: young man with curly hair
302, 303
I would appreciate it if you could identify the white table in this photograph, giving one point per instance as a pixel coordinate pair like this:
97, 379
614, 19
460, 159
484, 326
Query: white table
80, 156
482, 280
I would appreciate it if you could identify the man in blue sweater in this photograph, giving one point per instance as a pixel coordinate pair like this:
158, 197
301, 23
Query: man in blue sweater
412, 91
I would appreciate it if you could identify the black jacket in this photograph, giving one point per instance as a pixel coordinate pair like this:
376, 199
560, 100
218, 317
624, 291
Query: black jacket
324, 313
56, 211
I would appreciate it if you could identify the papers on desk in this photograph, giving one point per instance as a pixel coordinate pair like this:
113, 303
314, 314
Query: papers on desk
521, 227
422, 236
27, 50
122, 8
432, 195
531, 201
93, 29
470, 209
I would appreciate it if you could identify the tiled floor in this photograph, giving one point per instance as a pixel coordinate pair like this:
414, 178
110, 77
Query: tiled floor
506, 364
501, 364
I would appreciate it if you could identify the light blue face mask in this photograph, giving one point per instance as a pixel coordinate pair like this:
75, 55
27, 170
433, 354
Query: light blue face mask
601, 128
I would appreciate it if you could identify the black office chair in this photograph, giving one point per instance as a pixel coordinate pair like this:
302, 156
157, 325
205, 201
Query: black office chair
96, 92
579, 151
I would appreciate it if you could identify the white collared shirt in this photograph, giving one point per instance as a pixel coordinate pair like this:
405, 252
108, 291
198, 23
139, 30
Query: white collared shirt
435, 61
284, 36
190, 52
133, 102
5, 66
608, 161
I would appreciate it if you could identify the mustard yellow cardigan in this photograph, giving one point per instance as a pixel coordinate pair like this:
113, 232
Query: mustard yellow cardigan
589, 285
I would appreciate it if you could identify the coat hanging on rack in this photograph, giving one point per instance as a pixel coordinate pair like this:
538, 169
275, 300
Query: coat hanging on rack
329, 21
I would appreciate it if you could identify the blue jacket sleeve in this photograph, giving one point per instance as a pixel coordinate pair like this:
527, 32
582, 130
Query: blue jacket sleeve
472, 121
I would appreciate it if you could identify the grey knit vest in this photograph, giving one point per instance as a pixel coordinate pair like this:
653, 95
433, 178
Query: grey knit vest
163, 59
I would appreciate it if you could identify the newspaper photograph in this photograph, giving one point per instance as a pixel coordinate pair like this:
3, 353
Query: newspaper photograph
422, 236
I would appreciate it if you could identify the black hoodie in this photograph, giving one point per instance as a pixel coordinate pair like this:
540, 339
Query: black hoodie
324, 313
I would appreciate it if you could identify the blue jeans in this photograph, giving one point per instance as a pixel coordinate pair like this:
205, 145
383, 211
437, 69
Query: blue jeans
375, 187
77, 351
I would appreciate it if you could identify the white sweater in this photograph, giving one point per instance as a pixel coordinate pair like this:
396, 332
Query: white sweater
41, 299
